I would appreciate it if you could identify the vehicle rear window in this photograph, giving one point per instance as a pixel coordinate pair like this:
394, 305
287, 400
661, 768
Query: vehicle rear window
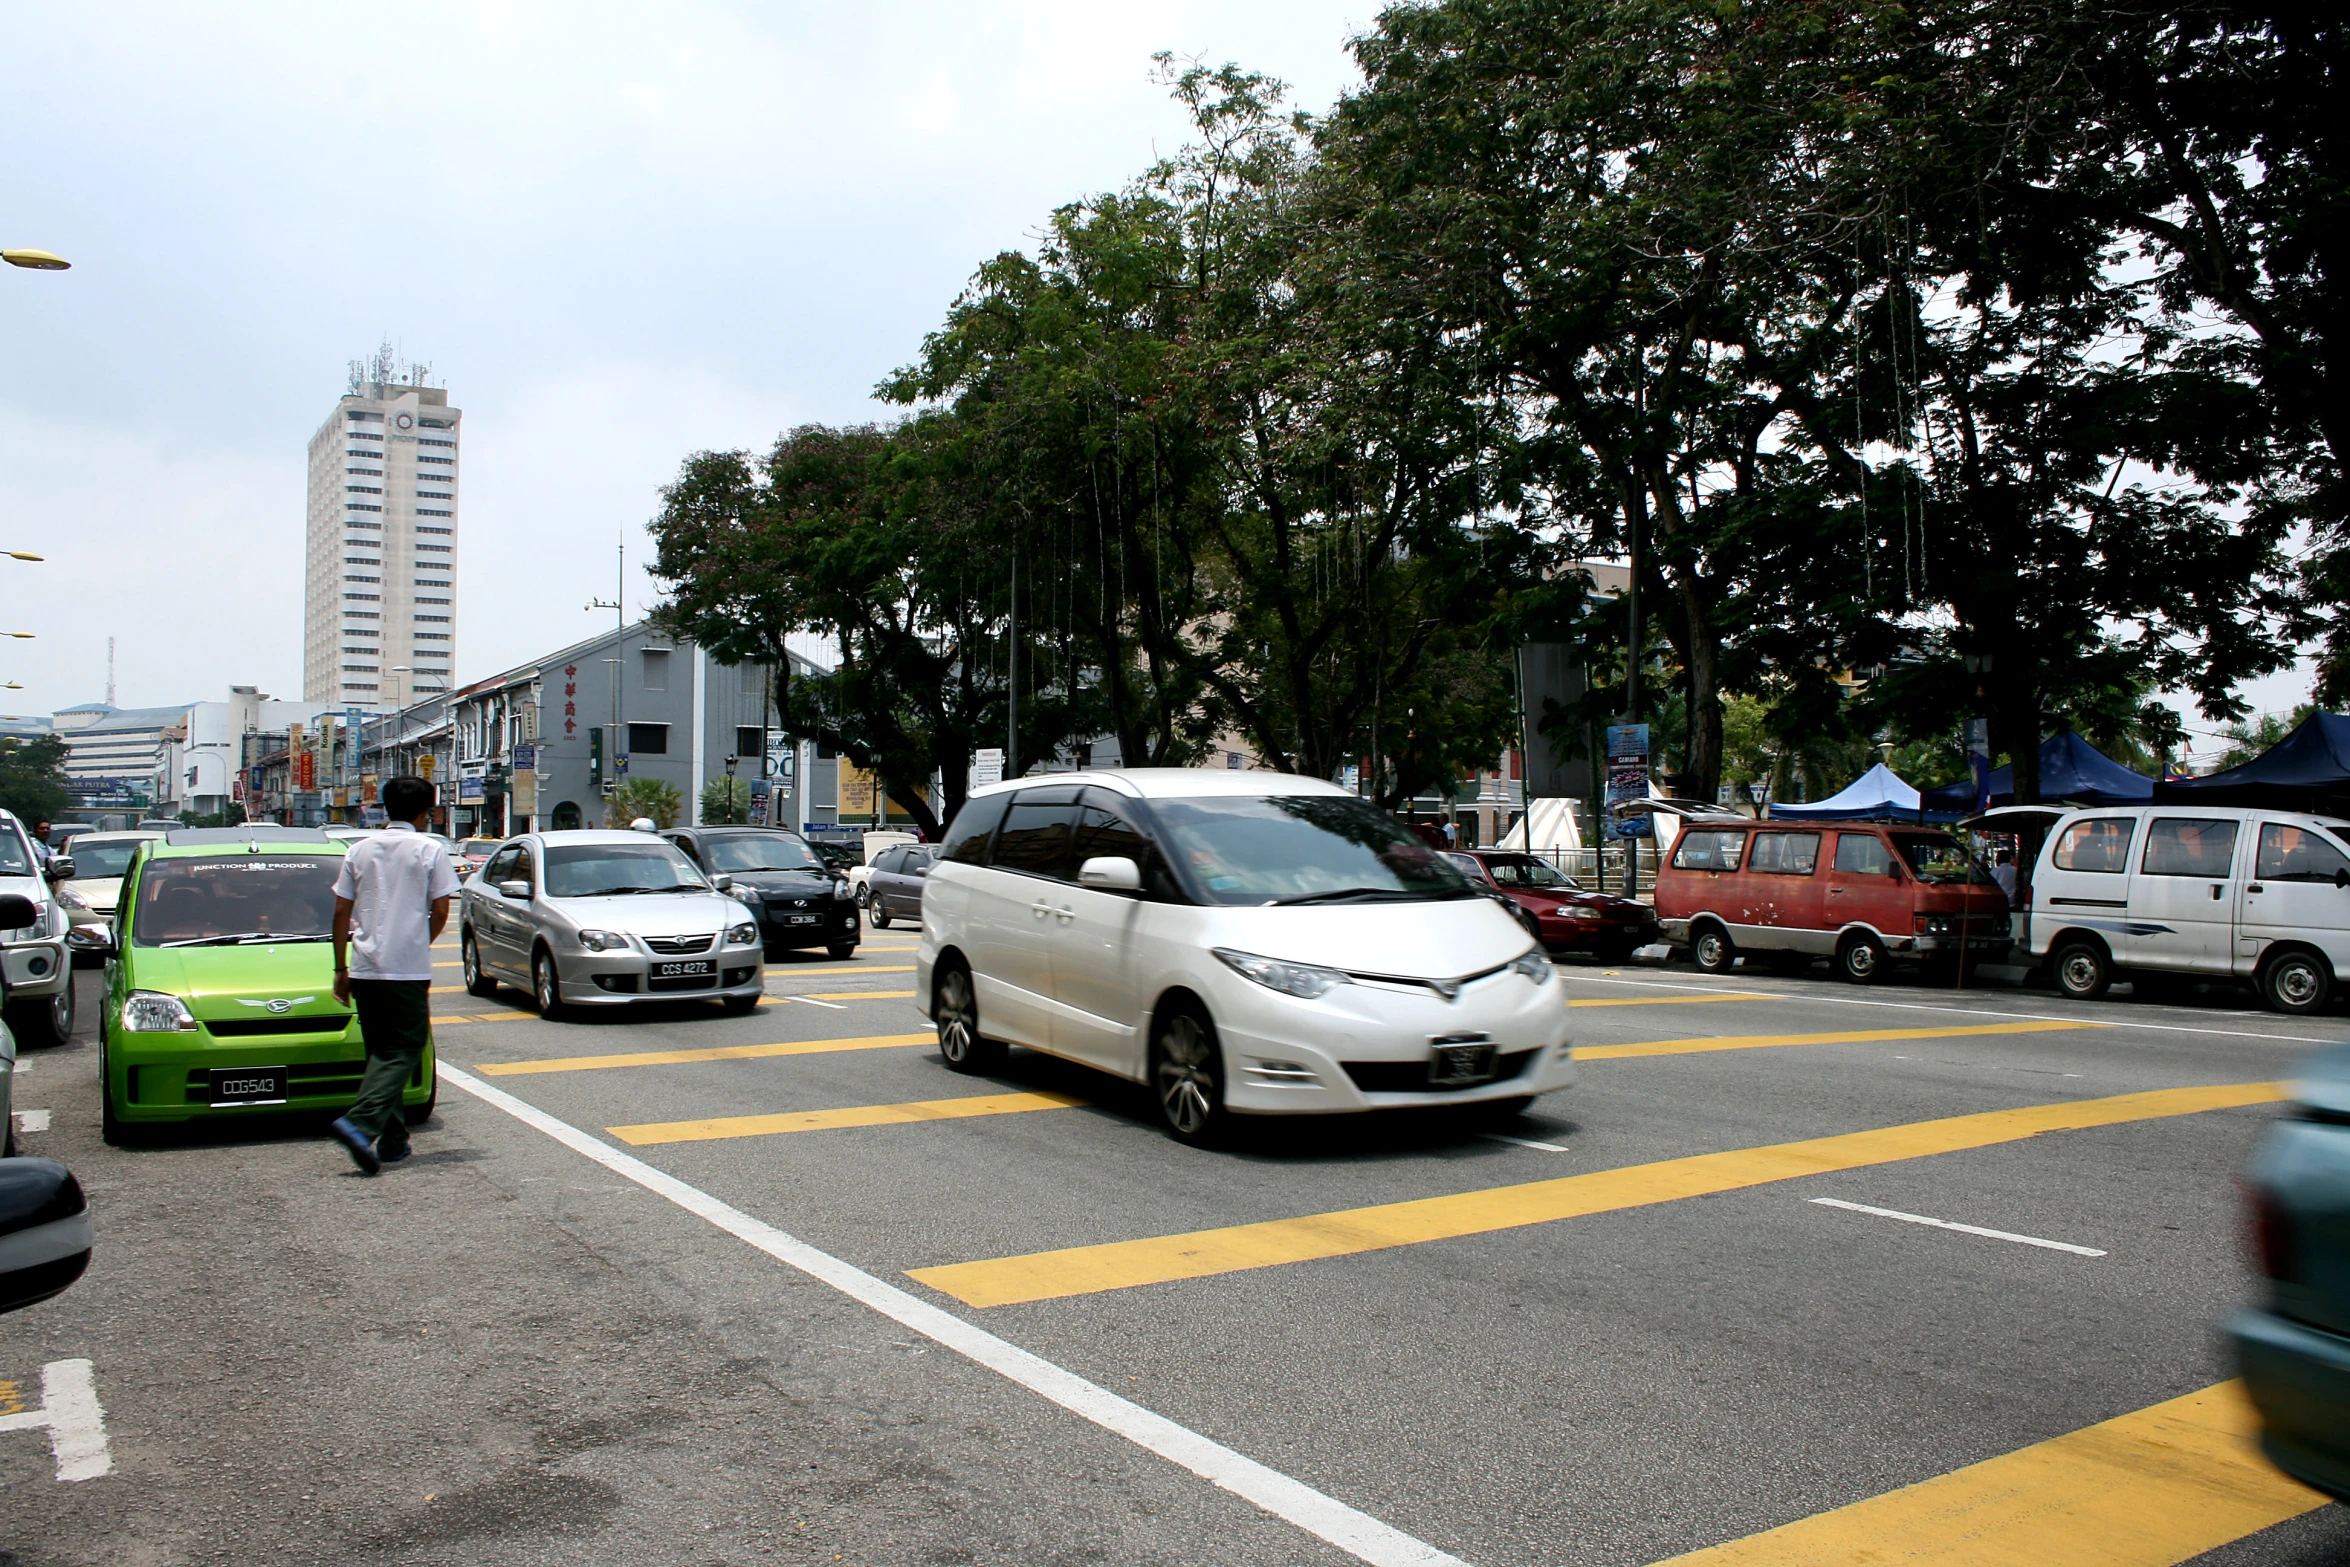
1711, 850
967, 836
1035, 837
229, 901
592, 870
2189, 846
100, 860
2096, 843
2289, 853
1785, 853
1862, 854
1301, 848
1524, 870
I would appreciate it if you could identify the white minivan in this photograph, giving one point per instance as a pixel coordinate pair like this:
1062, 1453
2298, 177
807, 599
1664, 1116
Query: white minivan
1245, 943
2212, 891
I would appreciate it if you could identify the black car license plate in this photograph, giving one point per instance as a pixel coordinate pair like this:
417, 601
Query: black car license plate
682, 970
805, 919
1455, 1063
248, 1085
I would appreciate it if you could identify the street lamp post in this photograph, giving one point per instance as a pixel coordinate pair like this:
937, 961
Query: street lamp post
730, 761
35, 260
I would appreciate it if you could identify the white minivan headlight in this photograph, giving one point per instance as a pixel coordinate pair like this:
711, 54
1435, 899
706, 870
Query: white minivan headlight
1306, 980
1534, 963
153, 1012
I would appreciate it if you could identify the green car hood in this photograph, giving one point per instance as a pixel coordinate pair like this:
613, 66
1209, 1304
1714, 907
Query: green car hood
214, 980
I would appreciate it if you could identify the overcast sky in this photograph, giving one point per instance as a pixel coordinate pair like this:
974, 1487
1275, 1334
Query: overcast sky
618, 235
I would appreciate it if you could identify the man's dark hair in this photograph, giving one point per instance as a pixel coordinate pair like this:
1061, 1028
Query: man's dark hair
406, 798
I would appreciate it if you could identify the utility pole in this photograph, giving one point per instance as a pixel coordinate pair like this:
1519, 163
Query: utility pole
616, 748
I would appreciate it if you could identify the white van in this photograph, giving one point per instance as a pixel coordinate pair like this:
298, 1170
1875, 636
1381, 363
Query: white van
1245, 943
2201, 890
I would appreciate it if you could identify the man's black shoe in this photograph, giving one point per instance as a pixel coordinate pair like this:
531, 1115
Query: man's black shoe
393, 1153
355, 1142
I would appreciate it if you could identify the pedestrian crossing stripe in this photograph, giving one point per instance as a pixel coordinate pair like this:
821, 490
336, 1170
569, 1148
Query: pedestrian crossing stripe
1086, 1270
832, 1120
2148, 1489
1691, 1047
801, 1047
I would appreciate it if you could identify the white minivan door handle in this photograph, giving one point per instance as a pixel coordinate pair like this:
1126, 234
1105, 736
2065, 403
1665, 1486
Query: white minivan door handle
1065, 914
1040, 908
2216, 890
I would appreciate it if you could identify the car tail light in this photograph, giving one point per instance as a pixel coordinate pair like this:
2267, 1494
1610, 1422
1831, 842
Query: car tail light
2273, 1251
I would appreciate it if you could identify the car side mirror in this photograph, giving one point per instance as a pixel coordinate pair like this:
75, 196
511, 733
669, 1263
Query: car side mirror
17, 912
722, 883
514, 889
1110, 873
47, 1225
2341, 877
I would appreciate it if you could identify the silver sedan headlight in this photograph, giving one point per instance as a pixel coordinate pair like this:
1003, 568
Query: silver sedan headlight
1534, 964
742, 935
1303, 980
603, 941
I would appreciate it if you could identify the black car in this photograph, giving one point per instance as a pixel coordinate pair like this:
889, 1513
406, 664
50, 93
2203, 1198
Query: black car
801, 901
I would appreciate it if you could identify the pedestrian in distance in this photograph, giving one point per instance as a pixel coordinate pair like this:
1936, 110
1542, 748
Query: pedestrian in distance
391, 903
41, 851
2004, 874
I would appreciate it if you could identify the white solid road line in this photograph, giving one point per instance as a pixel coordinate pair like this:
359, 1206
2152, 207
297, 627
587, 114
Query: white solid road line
71, 1414
811, 1001
1528, 1142
1963, 1229
1325, 1517
2038, 1017
32, 1120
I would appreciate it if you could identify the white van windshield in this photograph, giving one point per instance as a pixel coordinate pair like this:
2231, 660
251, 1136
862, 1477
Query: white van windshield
1302, 849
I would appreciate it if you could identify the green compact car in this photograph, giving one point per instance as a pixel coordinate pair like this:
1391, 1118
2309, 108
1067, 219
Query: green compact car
220, 990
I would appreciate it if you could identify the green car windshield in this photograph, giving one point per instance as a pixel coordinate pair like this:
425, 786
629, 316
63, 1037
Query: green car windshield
230, 901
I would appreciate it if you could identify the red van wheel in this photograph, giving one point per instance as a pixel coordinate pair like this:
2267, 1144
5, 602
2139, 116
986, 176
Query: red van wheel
1711, 949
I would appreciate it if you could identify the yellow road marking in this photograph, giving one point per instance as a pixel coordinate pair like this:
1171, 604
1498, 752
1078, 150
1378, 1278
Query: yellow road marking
2146, 1490
1679, 1001
828, 1120
1687, 1047
1084, 1270
803, 1047
477, 1017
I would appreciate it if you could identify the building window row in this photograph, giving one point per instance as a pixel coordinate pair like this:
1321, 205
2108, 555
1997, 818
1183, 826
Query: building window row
371, 473
347, 577
426, 511
363, 489
426, 527
361, 522
426, 440
430, 636
365, 598
360, 631
433, 601
360, 669
434, 424
441, 619
429, 457
360, 506
441, 549
356, 416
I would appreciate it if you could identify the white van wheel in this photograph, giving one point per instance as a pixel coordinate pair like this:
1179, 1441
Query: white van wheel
1187, 1075
955, 1009
2296, 982
2082, 971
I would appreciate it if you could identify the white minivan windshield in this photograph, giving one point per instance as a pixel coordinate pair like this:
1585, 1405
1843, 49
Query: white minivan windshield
1309, 848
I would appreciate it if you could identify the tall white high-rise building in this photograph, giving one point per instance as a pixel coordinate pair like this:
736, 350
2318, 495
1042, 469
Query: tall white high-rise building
380, 600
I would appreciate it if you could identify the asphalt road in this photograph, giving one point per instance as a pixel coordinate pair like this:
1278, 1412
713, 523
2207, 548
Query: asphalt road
1615, 1330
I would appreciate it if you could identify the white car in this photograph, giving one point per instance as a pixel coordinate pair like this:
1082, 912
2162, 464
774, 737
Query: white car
40, 974
99, 860
2197, 890
1243, 943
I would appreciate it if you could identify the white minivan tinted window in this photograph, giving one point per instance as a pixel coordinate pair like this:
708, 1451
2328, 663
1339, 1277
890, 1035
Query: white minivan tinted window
2096, 843
2289, 853
2189, 846
1034, 839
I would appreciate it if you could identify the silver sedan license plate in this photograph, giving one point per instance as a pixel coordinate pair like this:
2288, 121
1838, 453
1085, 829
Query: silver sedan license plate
1453, 1063
684, 970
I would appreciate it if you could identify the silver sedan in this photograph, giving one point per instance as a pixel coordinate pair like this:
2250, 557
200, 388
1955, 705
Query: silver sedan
606, 919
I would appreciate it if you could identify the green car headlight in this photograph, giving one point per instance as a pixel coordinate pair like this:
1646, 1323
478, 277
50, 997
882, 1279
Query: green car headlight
153, 1012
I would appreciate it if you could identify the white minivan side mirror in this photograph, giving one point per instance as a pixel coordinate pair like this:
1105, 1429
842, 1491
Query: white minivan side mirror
1111, 873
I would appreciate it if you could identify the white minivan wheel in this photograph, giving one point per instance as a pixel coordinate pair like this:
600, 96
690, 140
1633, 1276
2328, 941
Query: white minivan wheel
1187, 1074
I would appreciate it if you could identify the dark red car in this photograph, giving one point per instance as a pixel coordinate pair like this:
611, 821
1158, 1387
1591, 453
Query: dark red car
1571, 920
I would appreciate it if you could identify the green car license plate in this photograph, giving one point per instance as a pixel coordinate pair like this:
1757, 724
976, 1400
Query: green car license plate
248, 1085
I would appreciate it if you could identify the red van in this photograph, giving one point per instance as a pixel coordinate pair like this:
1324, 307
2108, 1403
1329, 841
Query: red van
1855, 892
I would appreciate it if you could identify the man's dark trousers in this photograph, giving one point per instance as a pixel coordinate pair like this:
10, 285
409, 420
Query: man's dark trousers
395, 1018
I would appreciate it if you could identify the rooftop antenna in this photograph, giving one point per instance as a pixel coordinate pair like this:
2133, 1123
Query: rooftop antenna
110, 671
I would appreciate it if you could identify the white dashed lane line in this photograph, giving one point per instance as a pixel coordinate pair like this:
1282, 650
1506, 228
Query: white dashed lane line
1963, 1229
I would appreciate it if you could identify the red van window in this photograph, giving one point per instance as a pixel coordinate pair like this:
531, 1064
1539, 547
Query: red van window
1710, 850
1785, 853
1862, 854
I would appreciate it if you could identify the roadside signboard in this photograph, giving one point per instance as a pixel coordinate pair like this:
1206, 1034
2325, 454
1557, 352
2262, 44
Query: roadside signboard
987, 767
1627, 776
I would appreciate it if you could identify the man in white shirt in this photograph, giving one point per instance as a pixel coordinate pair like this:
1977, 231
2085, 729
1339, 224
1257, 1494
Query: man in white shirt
391, 902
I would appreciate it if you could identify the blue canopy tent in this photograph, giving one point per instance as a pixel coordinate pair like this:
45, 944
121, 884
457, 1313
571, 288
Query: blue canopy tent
2070, 769
2308, 770
1875, 796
